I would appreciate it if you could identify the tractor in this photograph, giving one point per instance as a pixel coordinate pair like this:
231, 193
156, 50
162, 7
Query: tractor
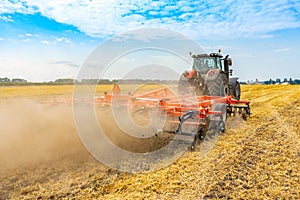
210, 76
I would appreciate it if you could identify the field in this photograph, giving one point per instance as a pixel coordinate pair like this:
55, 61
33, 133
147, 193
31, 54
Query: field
43, 158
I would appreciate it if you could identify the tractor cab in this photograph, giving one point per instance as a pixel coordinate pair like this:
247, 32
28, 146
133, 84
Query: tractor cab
204, 62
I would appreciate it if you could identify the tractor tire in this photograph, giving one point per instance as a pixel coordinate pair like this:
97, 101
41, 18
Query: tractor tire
237, 91
217, 86
183, 85
190, 85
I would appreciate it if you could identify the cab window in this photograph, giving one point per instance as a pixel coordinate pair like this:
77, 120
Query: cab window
219, 66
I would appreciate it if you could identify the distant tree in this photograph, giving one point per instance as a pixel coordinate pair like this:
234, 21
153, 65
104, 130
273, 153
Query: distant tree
104, 81
114, 81
18, 80
89, 81
296, 81
266, 82
5, 80
64, 80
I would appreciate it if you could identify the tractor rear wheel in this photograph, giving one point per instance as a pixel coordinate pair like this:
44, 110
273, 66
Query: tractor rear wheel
237, 91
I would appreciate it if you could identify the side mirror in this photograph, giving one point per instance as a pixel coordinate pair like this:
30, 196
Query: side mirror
230, 72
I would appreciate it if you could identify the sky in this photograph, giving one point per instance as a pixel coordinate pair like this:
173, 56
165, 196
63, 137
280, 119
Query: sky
49, 39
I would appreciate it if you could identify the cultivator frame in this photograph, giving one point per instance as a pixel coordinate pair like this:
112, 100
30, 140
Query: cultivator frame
189, 114
202, 113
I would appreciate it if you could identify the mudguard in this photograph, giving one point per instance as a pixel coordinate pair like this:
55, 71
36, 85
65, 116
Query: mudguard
233, 80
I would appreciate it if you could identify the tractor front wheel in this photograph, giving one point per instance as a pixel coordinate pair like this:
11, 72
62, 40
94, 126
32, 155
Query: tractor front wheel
216, 85
183, 85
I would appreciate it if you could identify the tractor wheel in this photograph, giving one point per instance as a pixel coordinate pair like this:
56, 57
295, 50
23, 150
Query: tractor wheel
237, 91
200, 90
216, 86
190, 86
183, 85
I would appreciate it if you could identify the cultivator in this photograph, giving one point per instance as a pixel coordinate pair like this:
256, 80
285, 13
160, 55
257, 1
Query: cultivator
185, 114
188, 115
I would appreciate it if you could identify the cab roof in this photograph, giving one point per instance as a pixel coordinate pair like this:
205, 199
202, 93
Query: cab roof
206, 55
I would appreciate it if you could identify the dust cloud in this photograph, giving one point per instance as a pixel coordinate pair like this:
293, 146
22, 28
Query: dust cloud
32, 134
235, 122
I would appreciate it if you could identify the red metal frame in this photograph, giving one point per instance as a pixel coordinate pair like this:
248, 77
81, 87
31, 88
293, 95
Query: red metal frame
179, 109
173, 105
161, 100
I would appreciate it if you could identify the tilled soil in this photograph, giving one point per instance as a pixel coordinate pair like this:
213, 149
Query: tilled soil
43, 158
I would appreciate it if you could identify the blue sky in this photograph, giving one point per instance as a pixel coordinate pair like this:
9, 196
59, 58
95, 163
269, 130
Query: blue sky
49, 39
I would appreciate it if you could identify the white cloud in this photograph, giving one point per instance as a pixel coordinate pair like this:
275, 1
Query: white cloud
153, 12
65, 63
6, 19
45, 42
34, 71
186, 9
210, 18
28, 35
57, 40
148, 36
13, 41
63, 39
282, 50
15, 6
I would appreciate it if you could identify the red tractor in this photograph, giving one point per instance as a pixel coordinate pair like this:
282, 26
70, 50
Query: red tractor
210, 76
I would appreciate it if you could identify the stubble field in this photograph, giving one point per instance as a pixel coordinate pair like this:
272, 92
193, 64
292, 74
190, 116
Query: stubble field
43, 158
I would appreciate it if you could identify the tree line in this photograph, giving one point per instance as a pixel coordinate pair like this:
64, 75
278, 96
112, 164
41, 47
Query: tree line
69, 81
